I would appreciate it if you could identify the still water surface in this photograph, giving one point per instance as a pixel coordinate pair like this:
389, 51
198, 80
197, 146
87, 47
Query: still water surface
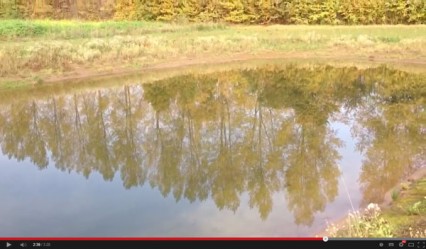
273, 151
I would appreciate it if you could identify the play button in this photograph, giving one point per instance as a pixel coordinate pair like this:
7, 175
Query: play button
8, 244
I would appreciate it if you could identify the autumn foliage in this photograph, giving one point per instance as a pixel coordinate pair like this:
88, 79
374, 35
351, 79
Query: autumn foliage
231, 11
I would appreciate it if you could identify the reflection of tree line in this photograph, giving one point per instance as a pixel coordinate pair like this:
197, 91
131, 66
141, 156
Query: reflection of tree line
391, 131
257, 131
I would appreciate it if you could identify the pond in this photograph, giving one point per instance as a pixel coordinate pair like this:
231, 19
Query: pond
265, 151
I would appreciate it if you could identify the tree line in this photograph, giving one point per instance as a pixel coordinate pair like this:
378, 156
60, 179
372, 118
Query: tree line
231, 11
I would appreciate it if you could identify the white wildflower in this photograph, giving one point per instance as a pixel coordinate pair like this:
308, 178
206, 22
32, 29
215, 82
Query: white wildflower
373, 207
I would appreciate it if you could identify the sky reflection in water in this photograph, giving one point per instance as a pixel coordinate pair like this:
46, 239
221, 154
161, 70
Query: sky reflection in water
240, 153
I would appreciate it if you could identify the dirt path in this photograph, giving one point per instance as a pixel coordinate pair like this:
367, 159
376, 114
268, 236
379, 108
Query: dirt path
176, 63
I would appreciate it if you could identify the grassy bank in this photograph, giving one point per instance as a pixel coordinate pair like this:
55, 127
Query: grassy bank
66, 29
41, 51
405, 217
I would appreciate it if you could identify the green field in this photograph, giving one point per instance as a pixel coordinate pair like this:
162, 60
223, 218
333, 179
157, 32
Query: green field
41, 50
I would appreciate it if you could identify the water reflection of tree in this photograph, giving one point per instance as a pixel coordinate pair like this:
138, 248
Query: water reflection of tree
21, 133
310, 145
219, 136
391, 132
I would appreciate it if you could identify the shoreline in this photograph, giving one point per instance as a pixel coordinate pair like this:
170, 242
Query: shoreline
417, 175
216, 61
320, 57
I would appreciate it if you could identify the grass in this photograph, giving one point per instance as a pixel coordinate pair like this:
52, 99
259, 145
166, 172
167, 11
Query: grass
406, 217
408, 212
47, 49
14, 85
69, 29
395, 194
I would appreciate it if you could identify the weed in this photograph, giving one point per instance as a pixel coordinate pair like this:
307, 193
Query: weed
417, 208
209, 26
404, 218
390, 39
395, 194
367, 224
38, 80
417, 233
